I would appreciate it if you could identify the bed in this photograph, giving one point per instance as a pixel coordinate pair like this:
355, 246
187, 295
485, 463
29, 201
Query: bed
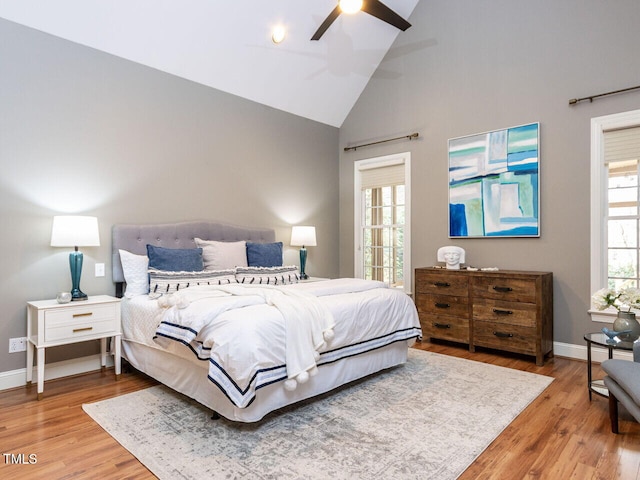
224, 343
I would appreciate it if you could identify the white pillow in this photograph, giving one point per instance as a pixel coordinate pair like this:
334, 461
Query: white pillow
222, 255
284, 275
135, 269
163, 282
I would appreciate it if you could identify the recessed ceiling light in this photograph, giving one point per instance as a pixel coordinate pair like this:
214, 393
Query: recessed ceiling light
278, 33
350, 6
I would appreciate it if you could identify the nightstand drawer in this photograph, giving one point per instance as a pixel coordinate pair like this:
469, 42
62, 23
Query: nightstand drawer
72, 323
78, 331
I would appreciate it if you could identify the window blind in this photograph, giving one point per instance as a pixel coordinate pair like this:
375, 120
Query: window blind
382, 176
622, 144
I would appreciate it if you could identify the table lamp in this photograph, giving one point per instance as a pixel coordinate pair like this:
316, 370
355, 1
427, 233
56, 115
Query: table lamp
75, 231
301, 236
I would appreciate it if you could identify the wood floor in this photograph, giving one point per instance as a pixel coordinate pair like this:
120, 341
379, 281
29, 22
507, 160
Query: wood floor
561, 435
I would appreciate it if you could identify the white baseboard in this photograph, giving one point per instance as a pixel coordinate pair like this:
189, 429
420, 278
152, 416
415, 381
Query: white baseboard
18, 378
579, 352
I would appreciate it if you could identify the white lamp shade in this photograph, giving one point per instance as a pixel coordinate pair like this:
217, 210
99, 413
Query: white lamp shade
303, 236
75, 231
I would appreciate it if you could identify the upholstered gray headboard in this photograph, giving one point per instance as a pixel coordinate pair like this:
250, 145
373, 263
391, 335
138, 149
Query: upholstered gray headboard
135, 238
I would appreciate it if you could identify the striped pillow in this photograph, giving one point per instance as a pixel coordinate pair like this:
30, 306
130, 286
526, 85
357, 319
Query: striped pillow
162, 282
268, 275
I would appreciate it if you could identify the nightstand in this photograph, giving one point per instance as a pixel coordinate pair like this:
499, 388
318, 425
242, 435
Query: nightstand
51, 324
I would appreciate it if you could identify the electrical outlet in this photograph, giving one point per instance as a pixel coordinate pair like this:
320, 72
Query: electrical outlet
99, 269
18, 344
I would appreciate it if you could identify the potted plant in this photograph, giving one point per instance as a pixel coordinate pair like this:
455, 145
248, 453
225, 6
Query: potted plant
623, 301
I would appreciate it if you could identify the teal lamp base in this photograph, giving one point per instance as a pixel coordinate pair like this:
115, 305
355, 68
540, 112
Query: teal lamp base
75, 262
303, 263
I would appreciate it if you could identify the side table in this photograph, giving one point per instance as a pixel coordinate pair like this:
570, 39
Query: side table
600, 339
50, 324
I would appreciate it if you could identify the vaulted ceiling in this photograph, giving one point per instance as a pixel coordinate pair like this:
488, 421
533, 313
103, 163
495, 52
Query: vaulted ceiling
227, 44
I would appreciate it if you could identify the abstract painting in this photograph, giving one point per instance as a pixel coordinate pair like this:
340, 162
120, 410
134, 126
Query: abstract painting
494, 183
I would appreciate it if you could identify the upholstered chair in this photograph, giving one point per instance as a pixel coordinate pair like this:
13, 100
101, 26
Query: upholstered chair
623, 382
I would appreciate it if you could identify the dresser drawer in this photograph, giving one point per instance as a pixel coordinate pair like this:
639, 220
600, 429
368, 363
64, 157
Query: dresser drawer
512, 338
443, 305
442, 283
507, 289
79, 322
445, 328
510, 313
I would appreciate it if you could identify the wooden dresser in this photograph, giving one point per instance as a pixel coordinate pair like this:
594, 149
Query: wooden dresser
506, 310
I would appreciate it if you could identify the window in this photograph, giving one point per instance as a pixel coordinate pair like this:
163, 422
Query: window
615, 202
382, 212
383, 234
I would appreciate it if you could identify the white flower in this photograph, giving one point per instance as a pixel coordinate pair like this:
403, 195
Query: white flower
624, 300
630, 297
604, 298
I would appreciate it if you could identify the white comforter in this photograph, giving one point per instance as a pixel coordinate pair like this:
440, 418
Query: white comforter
252, 338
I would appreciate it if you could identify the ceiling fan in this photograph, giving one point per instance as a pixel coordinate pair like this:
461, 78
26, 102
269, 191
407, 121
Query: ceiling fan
373, 7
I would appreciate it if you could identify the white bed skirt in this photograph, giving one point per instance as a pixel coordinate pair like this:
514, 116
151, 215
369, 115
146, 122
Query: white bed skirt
190, 378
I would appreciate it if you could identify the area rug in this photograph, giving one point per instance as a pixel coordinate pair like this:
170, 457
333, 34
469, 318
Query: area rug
429, 418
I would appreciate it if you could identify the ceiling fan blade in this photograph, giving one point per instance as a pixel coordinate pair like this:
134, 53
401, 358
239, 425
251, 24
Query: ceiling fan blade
384, 13
326, 24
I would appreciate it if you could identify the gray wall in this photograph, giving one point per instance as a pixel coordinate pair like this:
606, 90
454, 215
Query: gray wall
471, 66
85, 132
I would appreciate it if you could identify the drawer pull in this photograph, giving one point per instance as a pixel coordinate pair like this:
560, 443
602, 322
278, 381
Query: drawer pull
442, 305
85, 329
498, 288
442, 325
76, 315
503, 335
502, 312
442, 284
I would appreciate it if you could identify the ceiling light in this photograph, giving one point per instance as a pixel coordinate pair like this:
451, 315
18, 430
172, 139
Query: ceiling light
278, 34
350, 6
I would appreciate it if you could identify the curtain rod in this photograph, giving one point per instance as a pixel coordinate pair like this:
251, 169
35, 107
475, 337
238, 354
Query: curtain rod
573, 101
355, 147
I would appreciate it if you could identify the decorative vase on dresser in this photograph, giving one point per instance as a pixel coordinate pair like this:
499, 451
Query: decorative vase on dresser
505, 310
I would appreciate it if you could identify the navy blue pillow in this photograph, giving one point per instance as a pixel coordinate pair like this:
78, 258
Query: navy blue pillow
175, 259
264, 254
